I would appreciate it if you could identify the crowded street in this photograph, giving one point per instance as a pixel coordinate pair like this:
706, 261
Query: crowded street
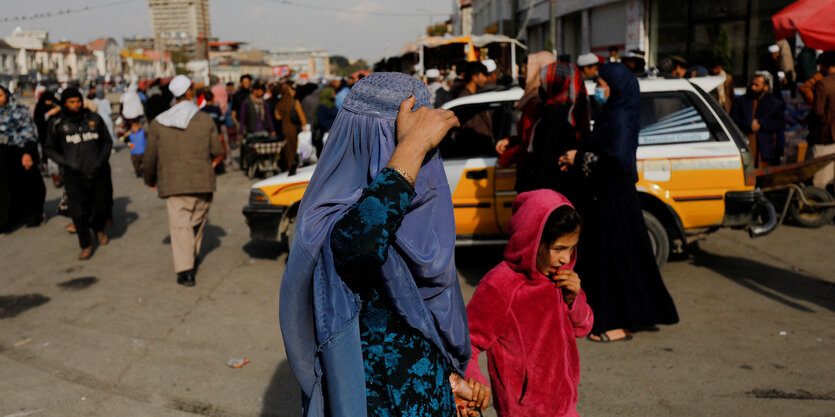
117, 336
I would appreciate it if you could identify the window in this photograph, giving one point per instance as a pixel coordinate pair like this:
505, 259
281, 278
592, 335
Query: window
671, 118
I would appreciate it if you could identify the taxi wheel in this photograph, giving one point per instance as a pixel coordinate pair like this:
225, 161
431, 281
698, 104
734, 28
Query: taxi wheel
807, 216
658, 238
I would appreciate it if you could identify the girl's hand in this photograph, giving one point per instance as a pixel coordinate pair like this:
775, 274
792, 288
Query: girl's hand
26, 161
502, 145
569, 281
566, 161
481, 394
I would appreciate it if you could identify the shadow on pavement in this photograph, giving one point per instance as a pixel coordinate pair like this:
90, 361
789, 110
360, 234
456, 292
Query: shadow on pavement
778, 284
283, 395
264, 250
50, 209
122, 218
475, 261
211, 239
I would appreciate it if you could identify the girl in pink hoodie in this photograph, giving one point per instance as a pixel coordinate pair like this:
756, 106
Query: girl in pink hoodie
528, 310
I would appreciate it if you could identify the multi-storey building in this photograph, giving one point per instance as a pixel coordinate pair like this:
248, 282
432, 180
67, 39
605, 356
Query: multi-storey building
302, 61
181, 25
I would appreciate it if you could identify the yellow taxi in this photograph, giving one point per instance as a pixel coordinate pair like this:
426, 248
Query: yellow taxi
695, 172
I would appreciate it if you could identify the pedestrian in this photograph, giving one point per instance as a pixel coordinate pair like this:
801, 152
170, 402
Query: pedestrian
528, 310
104, 109
614, 54
475, 76
256, 116
725, 91
673, 66
136, 142
370, 294
22, 191
636, 62
46, 108
341, 92
807, 90
182, 150
806, 65
288, 111
492, 74
79, 142
589, 65
477, 131
231, 121
325, 116
244, 91
433, 83
760, 116
131, 104
823, 140
621, 279
772, 63
562, 126
512, 150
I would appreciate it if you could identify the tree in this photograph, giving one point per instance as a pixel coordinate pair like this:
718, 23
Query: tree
180, 58
438, 30
339, 61
348, 68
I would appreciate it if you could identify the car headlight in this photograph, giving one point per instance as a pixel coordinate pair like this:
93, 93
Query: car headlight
257, 196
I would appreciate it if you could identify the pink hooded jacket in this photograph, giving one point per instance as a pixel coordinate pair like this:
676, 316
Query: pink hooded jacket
519, 317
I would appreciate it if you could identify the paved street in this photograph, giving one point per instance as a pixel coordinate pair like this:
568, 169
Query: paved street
115, 336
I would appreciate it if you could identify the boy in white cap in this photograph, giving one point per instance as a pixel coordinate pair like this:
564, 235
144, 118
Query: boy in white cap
181, 152
771, 62
433, 83
588, 63
492, 74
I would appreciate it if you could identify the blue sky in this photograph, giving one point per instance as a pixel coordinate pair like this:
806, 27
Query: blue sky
266, 24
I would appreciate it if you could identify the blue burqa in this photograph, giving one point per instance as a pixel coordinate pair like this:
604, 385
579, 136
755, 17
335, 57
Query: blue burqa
317, 311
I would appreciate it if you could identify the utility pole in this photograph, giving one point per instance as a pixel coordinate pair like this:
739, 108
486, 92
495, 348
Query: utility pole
552, 13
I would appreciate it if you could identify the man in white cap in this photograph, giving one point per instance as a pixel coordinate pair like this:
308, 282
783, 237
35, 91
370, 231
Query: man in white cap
181, 152
771, 62
492, 74
433, 83
588, 63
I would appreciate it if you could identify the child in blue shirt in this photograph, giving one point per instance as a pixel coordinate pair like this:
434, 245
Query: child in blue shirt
136, 139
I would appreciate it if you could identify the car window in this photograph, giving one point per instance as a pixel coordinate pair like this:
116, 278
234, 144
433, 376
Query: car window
671, 118
480, 125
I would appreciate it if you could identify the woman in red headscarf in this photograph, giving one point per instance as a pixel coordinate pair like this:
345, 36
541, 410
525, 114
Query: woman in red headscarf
563, 123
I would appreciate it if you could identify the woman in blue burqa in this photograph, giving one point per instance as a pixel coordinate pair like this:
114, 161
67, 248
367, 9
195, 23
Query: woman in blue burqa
371, 310
620, 276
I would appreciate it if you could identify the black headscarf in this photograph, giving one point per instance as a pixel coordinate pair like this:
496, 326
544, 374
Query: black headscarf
616, 132
40, 112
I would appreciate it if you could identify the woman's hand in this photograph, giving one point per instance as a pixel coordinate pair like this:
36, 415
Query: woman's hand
423, 128
26, 160
53, 111
566, 161
502, 145
418, 132
469, 395
569, 281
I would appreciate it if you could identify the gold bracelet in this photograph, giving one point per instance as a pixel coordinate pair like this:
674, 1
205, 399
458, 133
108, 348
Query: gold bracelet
404, 174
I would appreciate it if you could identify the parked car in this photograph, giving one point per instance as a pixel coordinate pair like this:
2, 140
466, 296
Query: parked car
696, 172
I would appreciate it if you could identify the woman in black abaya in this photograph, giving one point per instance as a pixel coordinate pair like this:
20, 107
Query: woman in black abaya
620, 276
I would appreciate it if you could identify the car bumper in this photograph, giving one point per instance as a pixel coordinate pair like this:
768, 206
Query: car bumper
751, 210
263, 221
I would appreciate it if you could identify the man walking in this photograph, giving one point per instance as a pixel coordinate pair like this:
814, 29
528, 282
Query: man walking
79, 141
760, 116
181, 152
823, 133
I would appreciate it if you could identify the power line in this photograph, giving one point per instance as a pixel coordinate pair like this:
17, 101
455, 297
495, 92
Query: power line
349, 11
63, 12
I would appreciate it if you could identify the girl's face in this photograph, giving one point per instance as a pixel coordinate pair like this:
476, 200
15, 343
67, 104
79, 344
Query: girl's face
551, 257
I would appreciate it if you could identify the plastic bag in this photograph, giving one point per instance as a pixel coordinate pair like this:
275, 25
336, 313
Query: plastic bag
305, 148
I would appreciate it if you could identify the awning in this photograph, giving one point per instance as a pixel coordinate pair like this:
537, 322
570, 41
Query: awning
813, 19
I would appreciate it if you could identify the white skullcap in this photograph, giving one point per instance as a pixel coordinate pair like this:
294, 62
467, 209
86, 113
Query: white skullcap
490, 64
433, 73
773, 49
587, 59
179, 85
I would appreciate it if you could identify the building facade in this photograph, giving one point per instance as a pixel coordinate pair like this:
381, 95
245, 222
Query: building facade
304, 62
180, 25
108, 56
736, 32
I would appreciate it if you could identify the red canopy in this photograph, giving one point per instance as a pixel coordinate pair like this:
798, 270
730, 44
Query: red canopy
814, 19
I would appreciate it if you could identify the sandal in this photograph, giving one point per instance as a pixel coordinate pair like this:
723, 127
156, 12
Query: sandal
604, 337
